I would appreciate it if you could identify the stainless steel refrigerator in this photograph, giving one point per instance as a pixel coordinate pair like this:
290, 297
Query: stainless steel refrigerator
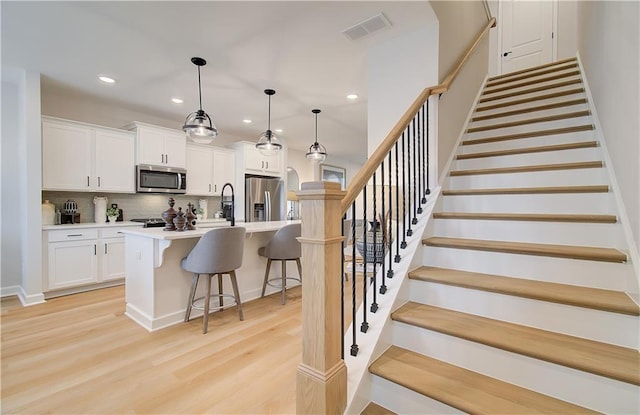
264, 199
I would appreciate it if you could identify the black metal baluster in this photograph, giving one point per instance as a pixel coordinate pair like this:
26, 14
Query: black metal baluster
415, 180
374, 243
426, 135
397, 258
408, 217
385, 235
342, 291
420, 161
365, 325
390, 231
354, 345
403, 245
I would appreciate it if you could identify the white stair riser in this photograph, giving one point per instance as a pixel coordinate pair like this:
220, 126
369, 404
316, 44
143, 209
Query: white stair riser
526, 128
581, 388
550, 140
527, 95
561, 233
528, 159
579, 203
489, 91
534, 76
546, 101
596, 274
401, 400
528, 115
570, 177
582, 322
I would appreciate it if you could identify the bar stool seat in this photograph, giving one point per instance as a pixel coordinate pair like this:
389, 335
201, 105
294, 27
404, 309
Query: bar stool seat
284, 246
218, 252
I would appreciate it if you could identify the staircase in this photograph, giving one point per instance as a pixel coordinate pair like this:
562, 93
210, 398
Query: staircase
520, 305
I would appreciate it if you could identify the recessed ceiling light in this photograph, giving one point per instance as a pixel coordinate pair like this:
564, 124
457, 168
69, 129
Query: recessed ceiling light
247, 121
177, 100
278, 130
352, 96
107, 80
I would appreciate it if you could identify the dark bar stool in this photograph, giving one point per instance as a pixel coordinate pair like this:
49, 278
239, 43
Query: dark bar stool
284, 246
218, 252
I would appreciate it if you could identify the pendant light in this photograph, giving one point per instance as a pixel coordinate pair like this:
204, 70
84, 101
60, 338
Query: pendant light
269, 144
317, 152
198, 125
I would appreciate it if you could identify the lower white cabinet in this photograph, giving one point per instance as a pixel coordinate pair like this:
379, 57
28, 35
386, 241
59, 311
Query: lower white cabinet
77, 257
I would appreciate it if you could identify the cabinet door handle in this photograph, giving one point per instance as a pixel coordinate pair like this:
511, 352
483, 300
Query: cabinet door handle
215, 187
267, 164
98, 181
162, 155
262, 164
209, 187
166, 158
105, 248
95, 249
74, 234
88, 181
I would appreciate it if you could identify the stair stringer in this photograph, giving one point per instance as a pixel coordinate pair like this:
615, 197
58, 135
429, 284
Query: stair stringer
379, 336
633, 288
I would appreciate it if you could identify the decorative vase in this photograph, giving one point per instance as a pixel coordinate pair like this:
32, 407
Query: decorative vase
48, 213
168, 216
99, 210
373, 245
113, 219
190, 217
180, 221
70, 207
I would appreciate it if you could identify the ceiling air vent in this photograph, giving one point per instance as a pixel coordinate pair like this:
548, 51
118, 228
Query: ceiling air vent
372, 24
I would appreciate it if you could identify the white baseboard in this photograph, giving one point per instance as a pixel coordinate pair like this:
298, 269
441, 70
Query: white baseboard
30, 299
9, 291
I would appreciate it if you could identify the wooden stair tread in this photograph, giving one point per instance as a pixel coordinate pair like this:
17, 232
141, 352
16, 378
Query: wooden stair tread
530, 90
531, 109
530, 134
602, 359
531, 99
533, 69
489, 89
463, 389
514, 78
586, 297
531, 168
527, 190
375, 409
528, 150
549, 118
525, 248
532, 217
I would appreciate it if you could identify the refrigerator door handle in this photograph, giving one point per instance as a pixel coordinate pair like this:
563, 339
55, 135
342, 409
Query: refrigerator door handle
267, 206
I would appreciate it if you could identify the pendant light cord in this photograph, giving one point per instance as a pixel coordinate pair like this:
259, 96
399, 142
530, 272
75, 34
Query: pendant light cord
199, 89
316, 143
269, 119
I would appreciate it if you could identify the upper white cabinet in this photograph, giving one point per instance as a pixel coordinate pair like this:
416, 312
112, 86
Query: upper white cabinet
84, 157
208, 169
159, 146
255, 162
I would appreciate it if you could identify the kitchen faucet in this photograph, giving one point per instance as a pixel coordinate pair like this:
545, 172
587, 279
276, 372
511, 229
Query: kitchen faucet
233, 201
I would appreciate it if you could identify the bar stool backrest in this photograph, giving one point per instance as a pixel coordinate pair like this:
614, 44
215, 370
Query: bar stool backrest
284, 244
219, 250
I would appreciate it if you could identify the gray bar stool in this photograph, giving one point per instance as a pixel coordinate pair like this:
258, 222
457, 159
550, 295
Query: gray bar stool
284, 246
218, 252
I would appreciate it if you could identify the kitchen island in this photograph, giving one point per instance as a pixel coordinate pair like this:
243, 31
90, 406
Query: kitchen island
157, 287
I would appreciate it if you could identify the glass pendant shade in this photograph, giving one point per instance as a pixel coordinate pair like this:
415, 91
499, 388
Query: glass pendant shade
198, 125
317, 152
268, 143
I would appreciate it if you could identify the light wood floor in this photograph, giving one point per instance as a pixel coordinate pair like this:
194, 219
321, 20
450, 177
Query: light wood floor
81, 355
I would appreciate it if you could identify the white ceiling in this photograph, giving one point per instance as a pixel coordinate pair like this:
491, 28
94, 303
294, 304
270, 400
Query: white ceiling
294, 47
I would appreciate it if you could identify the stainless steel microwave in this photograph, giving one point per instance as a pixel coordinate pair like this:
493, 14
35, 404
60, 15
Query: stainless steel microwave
160, 179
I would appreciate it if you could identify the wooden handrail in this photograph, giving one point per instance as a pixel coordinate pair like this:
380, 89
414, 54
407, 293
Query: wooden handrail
366, 172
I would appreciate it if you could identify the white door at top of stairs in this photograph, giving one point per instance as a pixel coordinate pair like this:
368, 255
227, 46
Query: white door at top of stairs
525, 34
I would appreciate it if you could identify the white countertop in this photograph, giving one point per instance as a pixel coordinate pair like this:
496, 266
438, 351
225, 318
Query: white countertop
86, 225
251, 227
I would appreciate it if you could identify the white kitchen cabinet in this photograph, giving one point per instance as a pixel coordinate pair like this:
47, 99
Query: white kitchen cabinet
84, 157
257, 163
81, 257
208, 169
159, 146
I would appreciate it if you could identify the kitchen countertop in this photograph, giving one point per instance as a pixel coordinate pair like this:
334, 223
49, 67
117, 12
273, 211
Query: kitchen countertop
251, 227
86, 225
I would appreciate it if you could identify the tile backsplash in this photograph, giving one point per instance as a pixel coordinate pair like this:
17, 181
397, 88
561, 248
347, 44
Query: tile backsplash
134, 206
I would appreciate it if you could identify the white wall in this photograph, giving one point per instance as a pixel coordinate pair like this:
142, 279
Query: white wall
397, 72
567, 30
608, 43
23, 205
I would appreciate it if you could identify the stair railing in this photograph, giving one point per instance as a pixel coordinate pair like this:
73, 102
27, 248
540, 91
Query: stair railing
381, 205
